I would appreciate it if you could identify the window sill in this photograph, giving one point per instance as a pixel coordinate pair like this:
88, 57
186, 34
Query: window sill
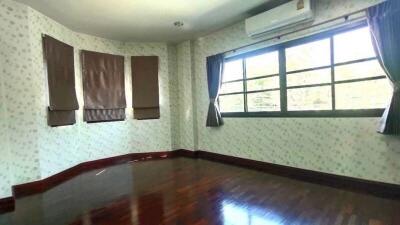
317, 114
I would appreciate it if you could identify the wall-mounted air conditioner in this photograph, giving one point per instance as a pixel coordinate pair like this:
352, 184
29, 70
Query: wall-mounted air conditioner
284, 16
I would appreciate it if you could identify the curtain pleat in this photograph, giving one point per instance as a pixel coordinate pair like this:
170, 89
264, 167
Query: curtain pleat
103, 115
57, 118
384, 23
215, 66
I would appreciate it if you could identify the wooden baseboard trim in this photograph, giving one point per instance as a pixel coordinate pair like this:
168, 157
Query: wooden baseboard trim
7, 204
39, 186
35, 187
186, 153
379, 189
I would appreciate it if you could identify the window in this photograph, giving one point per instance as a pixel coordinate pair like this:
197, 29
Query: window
251, 84
335, 73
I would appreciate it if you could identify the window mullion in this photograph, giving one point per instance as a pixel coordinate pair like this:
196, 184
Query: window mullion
333, 73
244, 85
282, 79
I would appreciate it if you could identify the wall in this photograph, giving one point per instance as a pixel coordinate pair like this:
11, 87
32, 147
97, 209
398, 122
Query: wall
174, 96
181, 95
22, 158
31, 150
344, 146
186, 105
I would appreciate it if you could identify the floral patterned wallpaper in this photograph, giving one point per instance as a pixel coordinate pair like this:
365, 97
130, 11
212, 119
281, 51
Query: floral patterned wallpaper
181, 97
19, 132
344, 146
31, 150
174, 96
185, 104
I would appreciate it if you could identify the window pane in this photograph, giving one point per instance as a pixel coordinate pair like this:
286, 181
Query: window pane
353, 45
374, 94
262, 84
358, 70
262, 65
232, 87
264, 101
233, 70
310, 77
310, 55
231, 103
314, 98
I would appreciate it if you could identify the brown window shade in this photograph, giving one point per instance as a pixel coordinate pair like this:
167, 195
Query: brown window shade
59, 64
103, 86
145, 96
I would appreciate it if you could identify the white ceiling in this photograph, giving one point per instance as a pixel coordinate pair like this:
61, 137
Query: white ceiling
148, 20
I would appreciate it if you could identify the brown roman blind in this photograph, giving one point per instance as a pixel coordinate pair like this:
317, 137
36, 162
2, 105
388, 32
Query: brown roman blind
103, 86
59, 65
145, 96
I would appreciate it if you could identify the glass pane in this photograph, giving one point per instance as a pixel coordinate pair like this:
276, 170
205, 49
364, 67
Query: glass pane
353, 45
310, 77
264, 101
262, 84
232, 87
310, 55
358, 70
231, 103
314, 98
233, 70
374, 94
262, 65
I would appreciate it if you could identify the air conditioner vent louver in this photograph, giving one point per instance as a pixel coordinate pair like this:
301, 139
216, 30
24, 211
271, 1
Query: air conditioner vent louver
283, 16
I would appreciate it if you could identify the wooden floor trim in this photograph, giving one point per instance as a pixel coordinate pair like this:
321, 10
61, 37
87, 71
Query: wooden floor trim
39, 186
35, 187
7, 204
379, 189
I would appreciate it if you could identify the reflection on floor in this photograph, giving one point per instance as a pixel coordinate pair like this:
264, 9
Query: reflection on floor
184, 191
234, 214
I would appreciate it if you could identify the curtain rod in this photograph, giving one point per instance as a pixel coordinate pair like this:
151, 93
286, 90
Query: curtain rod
346, 17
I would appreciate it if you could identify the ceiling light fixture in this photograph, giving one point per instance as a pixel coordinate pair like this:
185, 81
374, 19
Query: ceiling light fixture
178, 24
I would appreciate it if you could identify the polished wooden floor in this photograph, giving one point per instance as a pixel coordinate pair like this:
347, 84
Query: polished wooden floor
183, 191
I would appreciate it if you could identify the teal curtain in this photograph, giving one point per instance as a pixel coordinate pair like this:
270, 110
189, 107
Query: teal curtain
384, 23
215, 67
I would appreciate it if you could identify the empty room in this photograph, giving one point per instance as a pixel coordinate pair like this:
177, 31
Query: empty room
207, 112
